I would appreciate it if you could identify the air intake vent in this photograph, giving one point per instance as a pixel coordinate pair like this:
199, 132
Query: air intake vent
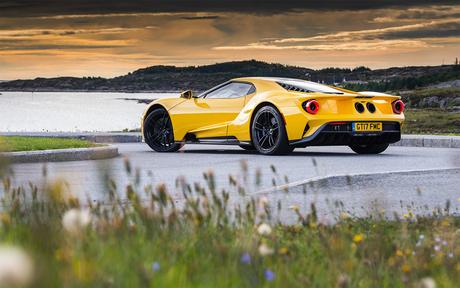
293, 88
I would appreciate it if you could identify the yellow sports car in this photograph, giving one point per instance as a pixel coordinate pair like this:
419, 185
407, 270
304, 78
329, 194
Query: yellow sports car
274, 116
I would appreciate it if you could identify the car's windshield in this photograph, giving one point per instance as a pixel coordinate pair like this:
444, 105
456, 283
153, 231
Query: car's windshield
291, 84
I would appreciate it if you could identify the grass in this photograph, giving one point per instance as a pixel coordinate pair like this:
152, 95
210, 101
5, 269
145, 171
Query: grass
23, 143
431, 121
151, 240
415, 97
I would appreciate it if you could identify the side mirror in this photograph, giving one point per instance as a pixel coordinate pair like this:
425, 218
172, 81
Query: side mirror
187, 94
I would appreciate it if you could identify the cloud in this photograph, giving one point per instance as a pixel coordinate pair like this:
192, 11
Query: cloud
380, 38
21, 8
208, 17
350, 46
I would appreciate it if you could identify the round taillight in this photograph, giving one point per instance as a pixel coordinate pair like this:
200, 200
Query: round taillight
398, 106
311, 106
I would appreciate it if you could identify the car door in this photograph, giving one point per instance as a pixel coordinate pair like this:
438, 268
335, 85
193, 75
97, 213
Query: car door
209, 115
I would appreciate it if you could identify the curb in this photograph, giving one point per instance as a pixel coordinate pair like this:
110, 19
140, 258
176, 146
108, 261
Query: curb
431, 141
343, 179
58, 155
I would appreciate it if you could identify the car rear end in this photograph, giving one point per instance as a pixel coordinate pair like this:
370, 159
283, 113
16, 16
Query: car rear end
348, 119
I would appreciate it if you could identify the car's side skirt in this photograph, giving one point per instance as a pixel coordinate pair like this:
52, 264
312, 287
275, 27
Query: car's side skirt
230, 140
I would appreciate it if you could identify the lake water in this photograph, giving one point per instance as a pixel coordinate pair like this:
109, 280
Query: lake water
72, 111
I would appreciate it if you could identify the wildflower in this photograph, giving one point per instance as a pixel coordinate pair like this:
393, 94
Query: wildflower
399, 253
450, 255
264, 229
269, 275
76, 220
436, 248
426, 282
283, 250
343, 281
295, 208
155, 266
16, 267
344, 215
358, 238
263, 202
245, 258
437, 239
444, 243
405, 268
265, 250
421, 237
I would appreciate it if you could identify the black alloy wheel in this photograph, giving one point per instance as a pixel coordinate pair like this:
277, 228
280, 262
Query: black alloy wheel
159, 133
269, 133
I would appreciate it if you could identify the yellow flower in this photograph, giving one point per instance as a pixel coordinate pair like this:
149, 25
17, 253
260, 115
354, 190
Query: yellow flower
399, 253
405, 268
283, 250
358, 238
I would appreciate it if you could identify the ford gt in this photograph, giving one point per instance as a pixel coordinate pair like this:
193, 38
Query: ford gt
275, 116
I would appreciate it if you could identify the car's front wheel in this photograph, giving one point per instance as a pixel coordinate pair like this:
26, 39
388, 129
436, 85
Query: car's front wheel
269, 133
159, 133
369, 149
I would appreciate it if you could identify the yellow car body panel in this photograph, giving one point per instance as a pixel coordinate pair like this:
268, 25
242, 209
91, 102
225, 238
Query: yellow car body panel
215, 118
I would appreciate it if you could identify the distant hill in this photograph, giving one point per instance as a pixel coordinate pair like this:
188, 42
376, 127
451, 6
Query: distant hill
199, 78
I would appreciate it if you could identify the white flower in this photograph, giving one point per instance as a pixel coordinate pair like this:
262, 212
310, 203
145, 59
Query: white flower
426, 282
265, 250
295, 208
16, 267
263, 202
264, 229
76, 220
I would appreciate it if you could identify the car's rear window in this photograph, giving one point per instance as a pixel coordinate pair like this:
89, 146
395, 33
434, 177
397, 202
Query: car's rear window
307, 86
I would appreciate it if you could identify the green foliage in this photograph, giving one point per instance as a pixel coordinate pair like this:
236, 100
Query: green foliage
431, 121
23, 143
406, 82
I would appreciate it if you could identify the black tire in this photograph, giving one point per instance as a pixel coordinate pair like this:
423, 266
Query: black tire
268, 132
159, 133
248, 147
369, 149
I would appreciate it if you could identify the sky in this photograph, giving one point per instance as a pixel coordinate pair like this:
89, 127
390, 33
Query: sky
110, 38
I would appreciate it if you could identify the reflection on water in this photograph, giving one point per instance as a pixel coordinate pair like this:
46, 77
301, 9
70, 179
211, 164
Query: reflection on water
72, 111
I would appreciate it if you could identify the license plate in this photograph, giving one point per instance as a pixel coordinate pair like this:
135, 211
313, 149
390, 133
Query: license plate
367, 126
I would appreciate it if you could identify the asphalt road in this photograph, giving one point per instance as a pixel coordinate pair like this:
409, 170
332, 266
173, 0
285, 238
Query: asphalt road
87, 178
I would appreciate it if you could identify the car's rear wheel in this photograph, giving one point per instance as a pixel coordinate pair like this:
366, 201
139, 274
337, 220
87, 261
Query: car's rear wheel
269, 133
159, 133
369, 149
